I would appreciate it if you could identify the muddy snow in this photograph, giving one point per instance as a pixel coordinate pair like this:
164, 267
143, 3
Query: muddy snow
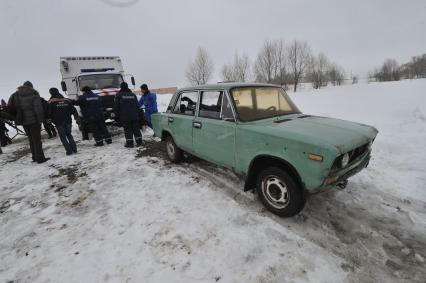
112, 214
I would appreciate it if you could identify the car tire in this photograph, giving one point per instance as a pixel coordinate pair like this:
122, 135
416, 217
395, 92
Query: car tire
174, 153
279, 192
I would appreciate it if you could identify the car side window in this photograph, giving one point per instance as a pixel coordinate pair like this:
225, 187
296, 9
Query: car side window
210, 105
186, 103
227, 109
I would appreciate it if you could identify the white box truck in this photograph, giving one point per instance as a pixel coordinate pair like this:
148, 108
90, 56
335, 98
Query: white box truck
103, 74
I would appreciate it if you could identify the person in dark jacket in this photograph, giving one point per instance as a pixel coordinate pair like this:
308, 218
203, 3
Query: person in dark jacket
93, 114
126, 109
26, 105
61, 110
4, 137
4, 115
2, 133
149, 101
47, 123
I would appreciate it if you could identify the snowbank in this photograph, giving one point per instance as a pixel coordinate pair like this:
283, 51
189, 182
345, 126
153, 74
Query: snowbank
118, 215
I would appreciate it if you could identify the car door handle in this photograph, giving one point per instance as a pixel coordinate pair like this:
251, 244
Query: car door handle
197, 125
171, 120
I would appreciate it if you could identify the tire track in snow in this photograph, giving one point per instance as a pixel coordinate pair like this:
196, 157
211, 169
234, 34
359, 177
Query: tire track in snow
370, 230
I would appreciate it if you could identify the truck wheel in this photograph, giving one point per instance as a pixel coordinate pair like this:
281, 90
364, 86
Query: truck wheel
279, 192
174, 153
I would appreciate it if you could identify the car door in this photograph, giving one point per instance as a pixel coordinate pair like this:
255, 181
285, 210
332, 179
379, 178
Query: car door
214, 129
180, 120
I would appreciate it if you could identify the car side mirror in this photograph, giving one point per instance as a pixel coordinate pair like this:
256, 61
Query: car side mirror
63, 86
133, 80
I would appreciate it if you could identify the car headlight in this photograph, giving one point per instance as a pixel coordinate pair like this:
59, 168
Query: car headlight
345, 160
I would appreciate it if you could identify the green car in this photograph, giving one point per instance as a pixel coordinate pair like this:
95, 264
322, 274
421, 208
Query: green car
258, 132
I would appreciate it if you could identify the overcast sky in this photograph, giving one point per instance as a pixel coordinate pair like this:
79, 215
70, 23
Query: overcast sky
156, 39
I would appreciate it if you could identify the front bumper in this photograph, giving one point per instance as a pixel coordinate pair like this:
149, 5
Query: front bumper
338, 176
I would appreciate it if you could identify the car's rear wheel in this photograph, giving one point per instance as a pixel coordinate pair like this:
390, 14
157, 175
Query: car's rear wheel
279, 192
174, 153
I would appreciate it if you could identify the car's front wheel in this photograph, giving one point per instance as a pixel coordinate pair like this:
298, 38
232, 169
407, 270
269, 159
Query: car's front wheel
279, 192
174, 153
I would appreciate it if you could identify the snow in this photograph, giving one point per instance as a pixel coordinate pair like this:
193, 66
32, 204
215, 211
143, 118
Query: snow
127, 215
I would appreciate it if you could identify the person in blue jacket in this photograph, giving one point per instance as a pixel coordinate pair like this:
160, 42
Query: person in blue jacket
93, 115
126, 109
60, 111
149, 101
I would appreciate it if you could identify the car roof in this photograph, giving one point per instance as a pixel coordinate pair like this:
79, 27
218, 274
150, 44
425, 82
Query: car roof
226, 86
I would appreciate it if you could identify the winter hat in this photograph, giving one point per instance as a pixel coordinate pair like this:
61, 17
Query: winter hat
53, 91
85, 88
28, 84
144, 87
124, 85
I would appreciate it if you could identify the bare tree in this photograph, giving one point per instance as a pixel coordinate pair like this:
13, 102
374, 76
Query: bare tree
271, 63
281, 74
241, 68
238, 70
201, 69
299, 57
318, 71
227, 73
336, 74
416, 68
265, 67
390, 71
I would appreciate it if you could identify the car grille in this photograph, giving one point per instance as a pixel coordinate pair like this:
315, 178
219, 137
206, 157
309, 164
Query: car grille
108, 101
353, 155
357, 152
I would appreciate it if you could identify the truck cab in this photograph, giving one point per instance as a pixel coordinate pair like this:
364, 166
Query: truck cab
103, 74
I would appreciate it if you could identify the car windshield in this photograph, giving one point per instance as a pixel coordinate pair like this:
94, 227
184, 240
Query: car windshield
255, 103
100, 81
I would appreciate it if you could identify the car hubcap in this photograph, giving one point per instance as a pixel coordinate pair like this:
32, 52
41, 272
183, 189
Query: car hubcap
275, 192
170, 149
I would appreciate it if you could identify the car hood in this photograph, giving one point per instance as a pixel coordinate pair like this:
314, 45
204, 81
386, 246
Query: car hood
341, 134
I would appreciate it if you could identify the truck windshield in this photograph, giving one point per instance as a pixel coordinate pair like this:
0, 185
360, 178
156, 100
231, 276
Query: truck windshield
99, 81
255, 103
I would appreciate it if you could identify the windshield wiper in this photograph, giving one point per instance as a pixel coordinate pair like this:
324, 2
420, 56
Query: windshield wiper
282, 120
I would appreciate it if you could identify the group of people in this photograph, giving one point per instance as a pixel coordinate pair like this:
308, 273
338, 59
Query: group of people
29, 110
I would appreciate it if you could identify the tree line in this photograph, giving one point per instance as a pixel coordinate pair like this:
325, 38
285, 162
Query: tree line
390, 70
290, 63
277, 62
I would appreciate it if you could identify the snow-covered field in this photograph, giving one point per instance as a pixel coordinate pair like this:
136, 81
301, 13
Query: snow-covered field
117, 215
